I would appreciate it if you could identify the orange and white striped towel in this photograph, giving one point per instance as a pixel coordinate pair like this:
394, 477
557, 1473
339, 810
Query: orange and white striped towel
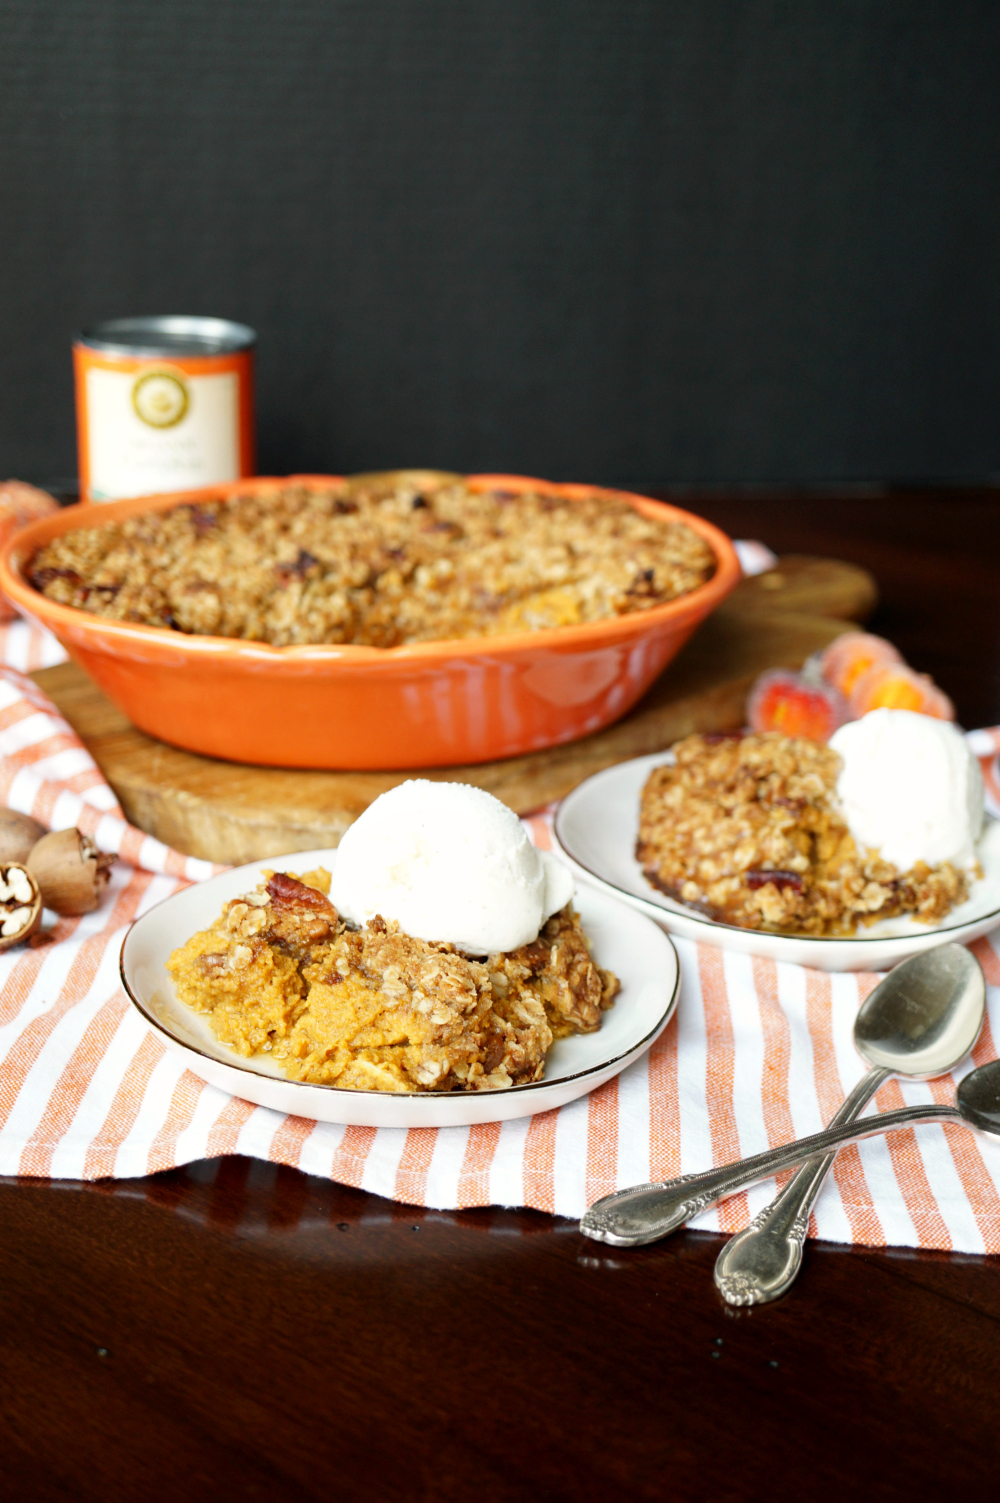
27, 647
759, 1053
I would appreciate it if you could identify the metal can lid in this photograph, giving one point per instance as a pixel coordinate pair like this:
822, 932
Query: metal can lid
167, 335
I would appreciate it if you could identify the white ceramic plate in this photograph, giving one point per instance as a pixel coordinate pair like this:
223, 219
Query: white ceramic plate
595, 828
623, 941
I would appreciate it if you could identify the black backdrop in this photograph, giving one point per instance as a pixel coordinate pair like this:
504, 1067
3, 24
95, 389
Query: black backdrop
645, 240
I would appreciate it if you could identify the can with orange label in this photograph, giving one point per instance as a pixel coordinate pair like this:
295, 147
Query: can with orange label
163, 404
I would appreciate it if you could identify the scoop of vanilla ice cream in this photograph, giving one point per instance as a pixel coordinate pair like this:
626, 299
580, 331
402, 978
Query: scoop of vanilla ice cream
448, 862
910, 788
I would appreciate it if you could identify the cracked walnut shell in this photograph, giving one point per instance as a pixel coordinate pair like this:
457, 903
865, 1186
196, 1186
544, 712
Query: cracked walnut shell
70, 871
20, 905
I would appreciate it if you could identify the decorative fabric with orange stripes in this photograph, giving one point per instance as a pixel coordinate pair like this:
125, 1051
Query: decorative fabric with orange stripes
758, 1053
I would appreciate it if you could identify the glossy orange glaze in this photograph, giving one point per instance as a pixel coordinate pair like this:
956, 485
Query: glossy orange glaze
432, 704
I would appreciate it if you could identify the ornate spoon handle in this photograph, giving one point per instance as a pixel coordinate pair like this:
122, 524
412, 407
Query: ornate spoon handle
762, 1262
648, 1212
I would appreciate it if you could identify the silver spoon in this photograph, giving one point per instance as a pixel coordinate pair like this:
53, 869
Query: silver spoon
648, 1212
920, 1021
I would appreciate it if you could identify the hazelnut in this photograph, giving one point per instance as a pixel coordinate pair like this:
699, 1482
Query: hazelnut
19, 833
20, 904
70, 871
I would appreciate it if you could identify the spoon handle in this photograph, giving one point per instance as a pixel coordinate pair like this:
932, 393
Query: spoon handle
648, 1212
763, 1261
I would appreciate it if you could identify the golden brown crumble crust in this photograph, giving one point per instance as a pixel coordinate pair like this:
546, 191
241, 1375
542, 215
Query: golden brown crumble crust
377, 566
746, 829
280, 973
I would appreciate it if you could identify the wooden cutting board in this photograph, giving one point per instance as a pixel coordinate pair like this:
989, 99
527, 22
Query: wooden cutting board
228, 812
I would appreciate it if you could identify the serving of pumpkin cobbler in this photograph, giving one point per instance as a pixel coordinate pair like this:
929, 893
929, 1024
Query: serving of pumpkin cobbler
282, 974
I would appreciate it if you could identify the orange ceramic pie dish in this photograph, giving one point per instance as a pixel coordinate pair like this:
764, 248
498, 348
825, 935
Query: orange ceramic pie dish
428, 704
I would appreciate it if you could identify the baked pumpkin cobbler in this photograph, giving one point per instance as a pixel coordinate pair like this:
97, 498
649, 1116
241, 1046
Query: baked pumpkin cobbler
378, 564
281, 974
747, 830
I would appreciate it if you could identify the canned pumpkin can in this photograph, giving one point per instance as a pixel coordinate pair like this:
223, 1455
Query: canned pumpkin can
163, 404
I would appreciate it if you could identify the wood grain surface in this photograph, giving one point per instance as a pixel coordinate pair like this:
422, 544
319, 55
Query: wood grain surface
232, 813
233, 1330
238, 1330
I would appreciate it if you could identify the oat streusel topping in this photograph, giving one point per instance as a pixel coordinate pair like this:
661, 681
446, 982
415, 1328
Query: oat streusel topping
279, 973
378, 566
747, 830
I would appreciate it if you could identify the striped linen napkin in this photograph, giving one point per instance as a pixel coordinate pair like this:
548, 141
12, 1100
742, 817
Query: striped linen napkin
759, 1053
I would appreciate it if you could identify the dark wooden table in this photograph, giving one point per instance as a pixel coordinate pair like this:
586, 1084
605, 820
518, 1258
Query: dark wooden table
234, 1330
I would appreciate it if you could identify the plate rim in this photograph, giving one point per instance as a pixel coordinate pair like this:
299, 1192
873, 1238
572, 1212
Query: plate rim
505, 1093
717, 925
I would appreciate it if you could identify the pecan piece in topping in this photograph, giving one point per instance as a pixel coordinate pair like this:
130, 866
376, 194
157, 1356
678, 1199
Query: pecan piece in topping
288, 892
535, 956
203, 520
300, 915
781, 880
213, 961
643, 584
493, 1051
42, 577
297, 570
